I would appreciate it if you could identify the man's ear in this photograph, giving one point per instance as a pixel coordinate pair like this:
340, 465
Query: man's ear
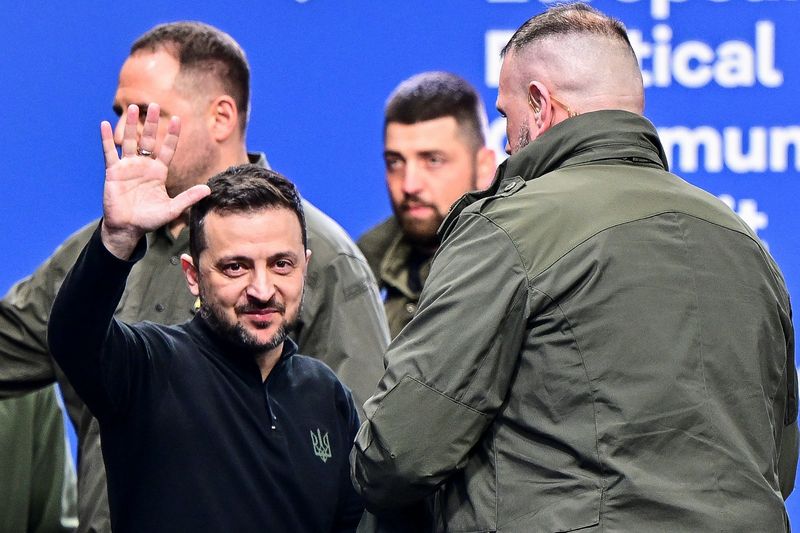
485, 167
223, 118
190, 271
308, 260
539, 101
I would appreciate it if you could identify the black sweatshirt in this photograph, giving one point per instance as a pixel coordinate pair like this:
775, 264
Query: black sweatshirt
193, 440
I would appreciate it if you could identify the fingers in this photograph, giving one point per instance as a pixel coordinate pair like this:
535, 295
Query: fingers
130, 136
109, 148
170, 142
187, 198
147, 142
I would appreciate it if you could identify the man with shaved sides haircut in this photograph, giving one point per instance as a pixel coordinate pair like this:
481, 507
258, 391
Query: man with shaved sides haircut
600, 346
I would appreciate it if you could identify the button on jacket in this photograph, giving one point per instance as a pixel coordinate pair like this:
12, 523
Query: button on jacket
600, 346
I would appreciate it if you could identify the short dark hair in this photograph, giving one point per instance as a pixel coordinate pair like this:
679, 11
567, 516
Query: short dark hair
243, 189
566, 19
204, 50
432, 95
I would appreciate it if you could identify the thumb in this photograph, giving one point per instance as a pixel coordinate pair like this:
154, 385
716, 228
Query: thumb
188, 198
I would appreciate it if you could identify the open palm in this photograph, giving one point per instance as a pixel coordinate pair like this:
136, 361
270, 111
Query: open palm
135, 198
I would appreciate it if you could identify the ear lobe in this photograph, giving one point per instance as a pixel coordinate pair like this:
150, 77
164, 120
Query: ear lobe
190, 271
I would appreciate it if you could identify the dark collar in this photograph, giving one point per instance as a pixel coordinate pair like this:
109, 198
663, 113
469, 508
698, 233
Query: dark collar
222, 348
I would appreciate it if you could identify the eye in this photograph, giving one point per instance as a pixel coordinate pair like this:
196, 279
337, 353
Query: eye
283, 266
436, 160
393, 163
233, 269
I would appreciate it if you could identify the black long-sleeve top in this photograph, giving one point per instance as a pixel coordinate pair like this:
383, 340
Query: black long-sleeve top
193, 439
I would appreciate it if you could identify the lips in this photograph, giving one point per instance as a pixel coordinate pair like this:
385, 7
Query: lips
261, 311
416, 209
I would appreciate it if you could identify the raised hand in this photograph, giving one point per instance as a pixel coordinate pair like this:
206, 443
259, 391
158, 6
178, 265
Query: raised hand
135, 198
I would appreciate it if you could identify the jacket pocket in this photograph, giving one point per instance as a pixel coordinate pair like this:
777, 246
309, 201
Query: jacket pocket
570, 514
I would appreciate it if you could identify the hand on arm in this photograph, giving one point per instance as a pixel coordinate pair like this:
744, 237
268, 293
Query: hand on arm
135, 198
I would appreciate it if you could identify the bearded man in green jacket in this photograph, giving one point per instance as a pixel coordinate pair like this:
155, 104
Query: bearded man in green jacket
434, 148
600, 346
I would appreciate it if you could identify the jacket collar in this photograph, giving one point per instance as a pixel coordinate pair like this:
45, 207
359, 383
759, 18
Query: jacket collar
589, 137
258, 158
395, 267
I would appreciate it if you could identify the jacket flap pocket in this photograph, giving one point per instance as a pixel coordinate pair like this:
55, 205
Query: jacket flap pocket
573, 513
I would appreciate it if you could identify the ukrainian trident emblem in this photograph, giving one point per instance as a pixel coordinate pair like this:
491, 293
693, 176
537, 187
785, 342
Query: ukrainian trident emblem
322, 446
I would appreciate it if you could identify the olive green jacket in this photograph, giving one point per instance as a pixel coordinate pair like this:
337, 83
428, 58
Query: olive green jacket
37, 491
599, 346
388, 255
342, 323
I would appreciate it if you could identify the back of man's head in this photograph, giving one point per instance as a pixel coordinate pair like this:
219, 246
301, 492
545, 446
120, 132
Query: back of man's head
243, 189
584, 54
432, 95
208, 58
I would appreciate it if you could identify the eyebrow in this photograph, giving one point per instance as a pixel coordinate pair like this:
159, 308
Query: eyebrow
247, 259
423, 153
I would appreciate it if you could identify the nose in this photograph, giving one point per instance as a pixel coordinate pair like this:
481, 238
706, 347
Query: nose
412, 179
261, 286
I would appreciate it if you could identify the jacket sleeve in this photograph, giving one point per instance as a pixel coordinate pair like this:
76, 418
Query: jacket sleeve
53, 505
350, 505
102, 357
787, 404
448, 371
25, 362
343, 321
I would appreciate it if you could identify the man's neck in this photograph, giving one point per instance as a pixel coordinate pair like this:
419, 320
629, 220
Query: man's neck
235, 157
267, 361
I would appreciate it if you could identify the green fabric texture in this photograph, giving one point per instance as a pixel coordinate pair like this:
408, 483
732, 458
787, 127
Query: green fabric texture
37, 494
388, 255
625, 337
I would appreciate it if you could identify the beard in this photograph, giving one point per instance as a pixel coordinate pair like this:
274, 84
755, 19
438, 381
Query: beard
423, 232
419, 232
235, 332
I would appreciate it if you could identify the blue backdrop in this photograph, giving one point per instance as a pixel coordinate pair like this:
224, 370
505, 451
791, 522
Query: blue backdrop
720, 75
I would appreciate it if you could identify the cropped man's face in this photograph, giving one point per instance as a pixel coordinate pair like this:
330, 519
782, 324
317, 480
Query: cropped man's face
513, 104
251, 276
149, 77
429, 165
